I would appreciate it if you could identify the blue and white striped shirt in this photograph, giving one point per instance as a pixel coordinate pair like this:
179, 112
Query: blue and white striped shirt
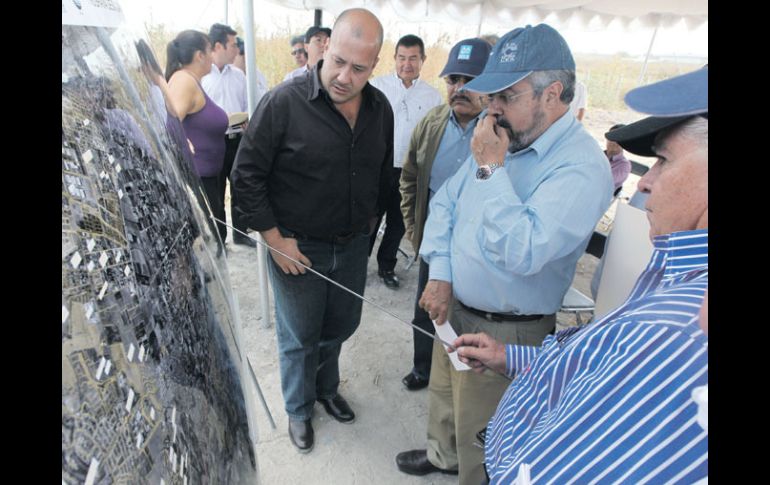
611, 402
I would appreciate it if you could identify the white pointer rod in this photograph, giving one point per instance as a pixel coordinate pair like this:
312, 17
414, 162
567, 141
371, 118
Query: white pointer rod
361, 297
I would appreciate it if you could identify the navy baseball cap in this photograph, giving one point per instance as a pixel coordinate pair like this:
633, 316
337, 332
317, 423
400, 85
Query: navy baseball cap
467, 58
672, 101
687, 94
316, 29
520, 52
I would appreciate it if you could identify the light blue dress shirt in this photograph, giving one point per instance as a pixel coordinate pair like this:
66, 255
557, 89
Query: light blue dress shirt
454, 149
510, 243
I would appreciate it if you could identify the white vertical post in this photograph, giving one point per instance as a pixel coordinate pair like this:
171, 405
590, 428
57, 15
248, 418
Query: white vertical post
647, 57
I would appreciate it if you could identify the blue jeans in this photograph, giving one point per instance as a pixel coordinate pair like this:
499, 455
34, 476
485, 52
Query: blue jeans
314, 317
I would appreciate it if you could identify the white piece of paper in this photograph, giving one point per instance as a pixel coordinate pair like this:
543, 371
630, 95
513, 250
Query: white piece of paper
446, 333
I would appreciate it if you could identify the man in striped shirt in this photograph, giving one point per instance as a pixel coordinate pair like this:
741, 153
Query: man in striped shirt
612, 402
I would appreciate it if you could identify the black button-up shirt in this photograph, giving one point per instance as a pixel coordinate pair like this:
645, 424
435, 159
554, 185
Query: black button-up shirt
300, 166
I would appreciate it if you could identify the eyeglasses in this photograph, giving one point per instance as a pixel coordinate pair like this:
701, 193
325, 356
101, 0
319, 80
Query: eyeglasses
502, 98
298, 51
453, 79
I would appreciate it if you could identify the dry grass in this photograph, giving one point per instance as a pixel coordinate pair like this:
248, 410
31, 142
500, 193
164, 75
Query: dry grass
607, 78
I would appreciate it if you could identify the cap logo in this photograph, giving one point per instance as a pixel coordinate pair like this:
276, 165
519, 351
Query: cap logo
508, 52
465, 52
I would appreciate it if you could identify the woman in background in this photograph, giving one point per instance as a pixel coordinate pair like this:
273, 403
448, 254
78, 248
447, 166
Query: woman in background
188, 60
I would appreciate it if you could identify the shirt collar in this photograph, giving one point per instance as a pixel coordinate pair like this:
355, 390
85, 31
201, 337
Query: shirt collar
214, 68
401, 82
471, 123
675, 246
553, 134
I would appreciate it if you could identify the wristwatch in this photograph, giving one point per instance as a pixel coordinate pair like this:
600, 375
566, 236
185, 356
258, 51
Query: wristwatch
486, 171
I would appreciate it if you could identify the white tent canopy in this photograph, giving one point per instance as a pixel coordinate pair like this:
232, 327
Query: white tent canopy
647, 13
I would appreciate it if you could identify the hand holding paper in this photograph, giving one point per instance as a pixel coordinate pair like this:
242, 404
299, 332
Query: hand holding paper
446, 333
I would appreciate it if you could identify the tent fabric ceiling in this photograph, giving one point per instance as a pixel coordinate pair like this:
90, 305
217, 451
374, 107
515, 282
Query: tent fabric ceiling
647, 13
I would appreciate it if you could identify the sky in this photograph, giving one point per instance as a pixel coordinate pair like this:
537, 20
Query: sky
678, 41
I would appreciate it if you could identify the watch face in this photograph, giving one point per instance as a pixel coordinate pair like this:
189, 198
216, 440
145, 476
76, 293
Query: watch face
483, 172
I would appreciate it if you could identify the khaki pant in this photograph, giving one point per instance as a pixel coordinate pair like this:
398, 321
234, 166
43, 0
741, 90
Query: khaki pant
462, 402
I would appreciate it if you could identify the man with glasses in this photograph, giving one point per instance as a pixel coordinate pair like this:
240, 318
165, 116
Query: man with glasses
316, 39
504, 234
298, 50
439, 144
411, 99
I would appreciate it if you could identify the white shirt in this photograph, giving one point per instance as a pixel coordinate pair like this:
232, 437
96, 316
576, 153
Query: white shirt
227, 88
409, 105
296, 72
580, 100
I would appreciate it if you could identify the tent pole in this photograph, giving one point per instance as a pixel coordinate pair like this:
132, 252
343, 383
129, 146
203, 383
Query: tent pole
251, 86
647, 56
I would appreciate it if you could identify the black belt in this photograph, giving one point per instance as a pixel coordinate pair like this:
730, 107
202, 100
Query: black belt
233, 136
343, 238
500, 317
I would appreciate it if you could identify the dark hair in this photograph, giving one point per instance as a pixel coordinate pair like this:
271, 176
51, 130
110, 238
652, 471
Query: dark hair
410, 40
615, 127
491, 39
241, 46
297, 39
180, 51
146, 57
219, 33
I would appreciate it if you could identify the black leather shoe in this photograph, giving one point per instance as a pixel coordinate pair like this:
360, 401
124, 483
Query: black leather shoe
244, 241
338, 409
415, 462
301, 434
389, 278
413, 382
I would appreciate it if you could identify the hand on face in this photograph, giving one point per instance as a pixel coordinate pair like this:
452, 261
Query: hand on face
489, 142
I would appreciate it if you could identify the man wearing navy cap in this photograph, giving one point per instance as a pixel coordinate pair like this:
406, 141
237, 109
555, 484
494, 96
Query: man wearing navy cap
613, 402
505, 232
439, 145
316, 39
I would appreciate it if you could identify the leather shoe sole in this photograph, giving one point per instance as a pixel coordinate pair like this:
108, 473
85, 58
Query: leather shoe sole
414, 382
415, 462
301, 435
338, 409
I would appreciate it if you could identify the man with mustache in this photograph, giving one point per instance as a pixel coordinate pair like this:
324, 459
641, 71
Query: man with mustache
504, 234
411, 99
312, 175
440, 143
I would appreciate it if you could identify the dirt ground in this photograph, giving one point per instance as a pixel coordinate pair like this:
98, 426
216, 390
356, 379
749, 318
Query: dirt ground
389, 419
